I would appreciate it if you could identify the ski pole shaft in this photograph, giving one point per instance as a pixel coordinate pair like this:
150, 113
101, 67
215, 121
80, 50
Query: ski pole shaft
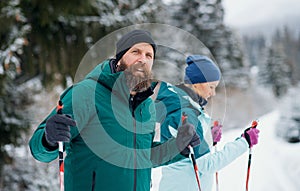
216, 123
253, 125
217, 175
192, 155
60, 152
195, 166
248, 169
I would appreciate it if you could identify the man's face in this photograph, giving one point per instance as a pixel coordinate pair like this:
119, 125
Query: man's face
139, 53
137, 63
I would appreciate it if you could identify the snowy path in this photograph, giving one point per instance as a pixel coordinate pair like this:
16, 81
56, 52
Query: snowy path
275, 163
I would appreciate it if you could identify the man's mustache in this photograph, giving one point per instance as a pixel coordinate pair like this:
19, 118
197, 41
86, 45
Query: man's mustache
138, 77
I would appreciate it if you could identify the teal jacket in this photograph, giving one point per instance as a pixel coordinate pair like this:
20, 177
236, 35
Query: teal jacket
171, 102
112, 146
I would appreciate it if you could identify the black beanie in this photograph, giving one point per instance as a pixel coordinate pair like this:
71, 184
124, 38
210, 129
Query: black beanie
132, 38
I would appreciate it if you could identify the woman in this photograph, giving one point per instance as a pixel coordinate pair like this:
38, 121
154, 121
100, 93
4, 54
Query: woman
202, 76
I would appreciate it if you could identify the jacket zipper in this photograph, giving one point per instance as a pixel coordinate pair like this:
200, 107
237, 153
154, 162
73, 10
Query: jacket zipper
93, 181
134, 143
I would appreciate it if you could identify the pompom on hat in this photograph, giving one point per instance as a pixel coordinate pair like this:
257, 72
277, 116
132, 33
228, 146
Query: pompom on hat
132, 38
201, 69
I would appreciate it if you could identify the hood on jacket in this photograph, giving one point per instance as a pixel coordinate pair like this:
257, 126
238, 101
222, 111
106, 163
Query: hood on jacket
104, 74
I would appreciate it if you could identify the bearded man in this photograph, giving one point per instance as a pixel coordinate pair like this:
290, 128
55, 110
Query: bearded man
109, 130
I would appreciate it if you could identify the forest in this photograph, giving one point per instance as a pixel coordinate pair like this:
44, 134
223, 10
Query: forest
44, 42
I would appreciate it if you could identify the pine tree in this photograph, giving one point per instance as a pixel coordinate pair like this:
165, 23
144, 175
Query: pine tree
13, 125
254, 47
275, 72
204, 19
289, 123
48, 38
290, 48
12, 122
62, 31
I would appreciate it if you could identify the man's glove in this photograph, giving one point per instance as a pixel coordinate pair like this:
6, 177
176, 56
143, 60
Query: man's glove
251, 135
216, 131
186, 136
58, 129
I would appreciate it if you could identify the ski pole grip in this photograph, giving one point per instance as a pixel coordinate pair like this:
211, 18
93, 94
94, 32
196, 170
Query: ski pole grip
59, 107
216, 123
254, 124
183, 118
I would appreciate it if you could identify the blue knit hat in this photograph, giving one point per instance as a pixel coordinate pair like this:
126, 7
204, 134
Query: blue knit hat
201, 69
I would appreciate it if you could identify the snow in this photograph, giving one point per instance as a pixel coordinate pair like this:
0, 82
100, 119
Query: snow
275, 162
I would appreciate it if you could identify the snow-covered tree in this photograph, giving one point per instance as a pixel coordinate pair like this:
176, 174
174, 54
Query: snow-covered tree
254, 46
205, 20
290, 48
48, 39
12, 122
288, 126
59, 33
275, 71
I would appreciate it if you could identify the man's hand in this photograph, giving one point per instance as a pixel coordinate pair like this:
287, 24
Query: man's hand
58, 129
186, 136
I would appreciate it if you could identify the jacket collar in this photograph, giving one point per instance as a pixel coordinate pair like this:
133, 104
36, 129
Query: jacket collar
201, 101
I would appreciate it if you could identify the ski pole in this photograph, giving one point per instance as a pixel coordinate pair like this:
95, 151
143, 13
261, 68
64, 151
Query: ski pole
216, 123
192, 155
254, 124
60, 151
217, 174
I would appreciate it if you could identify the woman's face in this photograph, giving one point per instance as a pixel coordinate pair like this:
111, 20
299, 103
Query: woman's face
206, 90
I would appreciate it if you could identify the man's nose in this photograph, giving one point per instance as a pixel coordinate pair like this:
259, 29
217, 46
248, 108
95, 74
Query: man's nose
143, 59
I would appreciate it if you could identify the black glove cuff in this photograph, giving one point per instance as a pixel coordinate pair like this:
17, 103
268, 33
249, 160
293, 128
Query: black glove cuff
247, 137
185, 152
47, 145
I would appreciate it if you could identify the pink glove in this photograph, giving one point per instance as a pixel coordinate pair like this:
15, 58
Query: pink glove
251, 135
216, 131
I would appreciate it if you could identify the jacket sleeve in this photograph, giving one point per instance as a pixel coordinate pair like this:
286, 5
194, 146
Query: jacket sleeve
37, 148
165, 153
211, 163
37, 143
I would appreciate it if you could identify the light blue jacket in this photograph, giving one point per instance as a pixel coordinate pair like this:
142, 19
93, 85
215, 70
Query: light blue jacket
180, 176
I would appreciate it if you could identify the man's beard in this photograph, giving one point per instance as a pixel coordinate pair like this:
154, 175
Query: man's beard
138, 76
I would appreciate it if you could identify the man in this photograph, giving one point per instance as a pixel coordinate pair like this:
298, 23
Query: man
112, 147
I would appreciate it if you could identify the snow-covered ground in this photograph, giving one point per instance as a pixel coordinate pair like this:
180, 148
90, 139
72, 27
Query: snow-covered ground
275, 163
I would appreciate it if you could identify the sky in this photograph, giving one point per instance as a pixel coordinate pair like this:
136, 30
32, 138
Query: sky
250, 16
275, 163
